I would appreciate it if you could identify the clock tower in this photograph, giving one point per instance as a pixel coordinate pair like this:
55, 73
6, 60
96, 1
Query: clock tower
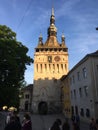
50, 64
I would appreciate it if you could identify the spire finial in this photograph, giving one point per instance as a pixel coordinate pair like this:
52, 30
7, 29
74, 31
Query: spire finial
52, 19
52, 11
40, 42
63, 34
40, 34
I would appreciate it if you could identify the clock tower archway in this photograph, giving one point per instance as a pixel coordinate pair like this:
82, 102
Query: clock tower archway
42, 107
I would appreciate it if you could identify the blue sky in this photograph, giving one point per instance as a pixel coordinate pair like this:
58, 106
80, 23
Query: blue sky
77, 19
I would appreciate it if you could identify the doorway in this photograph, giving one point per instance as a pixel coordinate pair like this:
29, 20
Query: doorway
42, 107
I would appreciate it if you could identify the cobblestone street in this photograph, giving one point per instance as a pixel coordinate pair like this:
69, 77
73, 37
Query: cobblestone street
41, 122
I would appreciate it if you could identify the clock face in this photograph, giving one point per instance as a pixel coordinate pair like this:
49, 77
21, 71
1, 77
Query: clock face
57, 58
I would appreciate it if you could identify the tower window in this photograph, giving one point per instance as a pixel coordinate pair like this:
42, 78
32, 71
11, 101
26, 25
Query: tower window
62, 66
53, 68
37, 67
57, 68
41, 67
50, 59
45, 67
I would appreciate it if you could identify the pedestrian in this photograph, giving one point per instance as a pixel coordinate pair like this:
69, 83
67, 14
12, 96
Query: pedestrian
92, 125
96, 124
76, 126
15, 114
73, 118
55, 126
8, 118
66, 125
59, 123
13, 124
77, 119
26, 123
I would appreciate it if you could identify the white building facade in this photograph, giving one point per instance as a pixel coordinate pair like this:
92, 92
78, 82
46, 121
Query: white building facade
26, 98
84, 87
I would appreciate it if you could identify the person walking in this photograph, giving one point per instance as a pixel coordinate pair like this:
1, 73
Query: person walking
26, 124
97, 124
59, 123
55, 126
76, 126
13, 124
8, 118
92, 125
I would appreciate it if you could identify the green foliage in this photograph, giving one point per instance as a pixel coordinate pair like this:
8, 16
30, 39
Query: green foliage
13, 61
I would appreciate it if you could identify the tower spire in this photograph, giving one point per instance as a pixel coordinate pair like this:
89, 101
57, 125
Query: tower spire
52, 30
52, 19
52, 11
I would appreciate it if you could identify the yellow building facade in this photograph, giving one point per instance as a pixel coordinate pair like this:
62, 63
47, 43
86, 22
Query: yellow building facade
66, 101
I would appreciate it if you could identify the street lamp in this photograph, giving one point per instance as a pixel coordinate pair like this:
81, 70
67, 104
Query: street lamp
97, 28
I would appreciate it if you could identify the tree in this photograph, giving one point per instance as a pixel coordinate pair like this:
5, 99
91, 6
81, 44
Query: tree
13, 61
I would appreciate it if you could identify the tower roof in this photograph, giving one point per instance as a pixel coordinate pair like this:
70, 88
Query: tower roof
52, 32
51, 41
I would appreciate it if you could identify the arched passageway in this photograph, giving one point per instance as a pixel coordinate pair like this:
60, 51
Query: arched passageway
42, 107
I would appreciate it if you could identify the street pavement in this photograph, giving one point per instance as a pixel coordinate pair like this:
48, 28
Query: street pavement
41, 122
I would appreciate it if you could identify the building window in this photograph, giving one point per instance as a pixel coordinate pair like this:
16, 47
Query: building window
72, 110
70, 81
87, 112
80, 92
65, 67
53, 68
86, 90
45, 67
58, 68
84, 73
73, 79
82, 112
97, 68
78, 76
27, 96
62, 66
50, 59
41, 67
71, 95
76, 110
37, 67
74, 93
